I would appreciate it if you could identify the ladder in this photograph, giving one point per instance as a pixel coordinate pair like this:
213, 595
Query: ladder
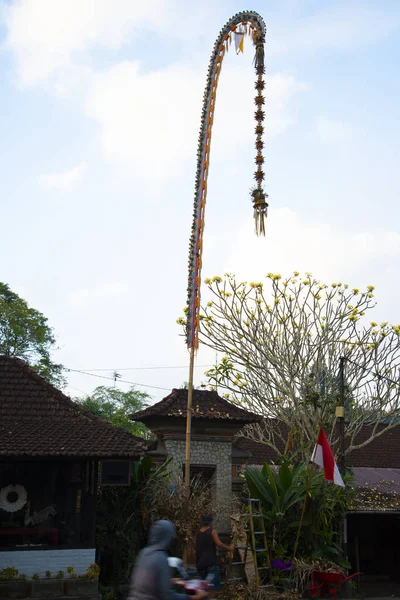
261, 576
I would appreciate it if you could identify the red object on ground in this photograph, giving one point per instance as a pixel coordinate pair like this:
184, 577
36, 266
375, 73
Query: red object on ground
330, 583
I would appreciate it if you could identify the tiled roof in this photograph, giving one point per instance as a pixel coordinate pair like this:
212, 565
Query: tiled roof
206, 404
36, 419
383, 451
259, 453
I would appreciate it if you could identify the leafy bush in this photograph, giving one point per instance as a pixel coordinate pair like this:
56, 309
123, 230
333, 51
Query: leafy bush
123, 516
60, 575
298, 502
9, 574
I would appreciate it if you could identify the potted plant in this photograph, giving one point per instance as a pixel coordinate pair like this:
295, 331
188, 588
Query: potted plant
13, 584
49, 586
83, 585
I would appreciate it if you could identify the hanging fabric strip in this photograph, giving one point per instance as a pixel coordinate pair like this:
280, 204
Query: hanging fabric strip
239, 41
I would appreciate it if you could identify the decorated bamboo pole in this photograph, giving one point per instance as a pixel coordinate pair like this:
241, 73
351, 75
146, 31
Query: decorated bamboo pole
238, 27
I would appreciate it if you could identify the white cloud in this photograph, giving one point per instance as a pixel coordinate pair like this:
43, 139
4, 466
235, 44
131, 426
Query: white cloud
150, 121
85, 295
63, 180
146, 121
330, 131
330, 253
46, 35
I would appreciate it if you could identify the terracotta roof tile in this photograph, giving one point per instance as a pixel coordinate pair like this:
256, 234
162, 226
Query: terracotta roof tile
383, 451
206, 404
36, 419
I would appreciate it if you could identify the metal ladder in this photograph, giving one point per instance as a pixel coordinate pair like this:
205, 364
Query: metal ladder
254, 509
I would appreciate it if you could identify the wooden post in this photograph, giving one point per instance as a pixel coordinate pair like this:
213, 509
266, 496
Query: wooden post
188, 441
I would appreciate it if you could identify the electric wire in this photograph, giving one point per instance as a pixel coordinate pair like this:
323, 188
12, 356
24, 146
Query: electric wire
155, 387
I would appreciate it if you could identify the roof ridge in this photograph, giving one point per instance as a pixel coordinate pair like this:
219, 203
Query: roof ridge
176, 401
40, 419
74, 406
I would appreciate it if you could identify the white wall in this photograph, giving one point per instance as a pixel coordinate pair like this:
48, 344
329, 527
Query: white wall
40, 561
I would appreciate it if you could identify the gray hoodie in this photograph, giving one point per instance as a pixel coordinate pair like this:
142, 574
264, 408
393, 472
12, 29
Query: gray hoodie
151, 577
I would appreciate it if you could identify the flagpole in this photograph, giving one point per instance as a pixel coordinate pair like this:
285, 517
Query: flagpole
342, 458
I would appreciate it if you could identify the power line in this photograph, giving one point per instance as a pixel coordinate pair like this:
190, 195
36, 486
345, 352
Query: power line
156, 387
143, 368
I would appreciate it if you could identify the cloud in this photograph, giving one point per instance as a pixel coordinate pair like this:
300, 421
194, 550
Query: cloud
331, 253
47, 36
150, 121
330, 131
85, 295
64, 180
147, 121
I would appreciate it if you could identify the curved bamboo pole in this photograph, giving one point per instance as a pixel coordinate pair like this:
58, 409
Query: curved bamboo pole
242, 24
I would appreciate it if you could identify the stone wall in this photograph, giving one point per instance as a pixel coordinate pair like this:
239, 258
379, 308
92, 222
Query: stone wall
215, 453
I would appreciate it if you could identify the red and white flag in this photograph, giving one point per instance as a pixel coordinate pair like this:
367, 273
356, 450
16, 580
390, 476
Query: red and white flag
323, 457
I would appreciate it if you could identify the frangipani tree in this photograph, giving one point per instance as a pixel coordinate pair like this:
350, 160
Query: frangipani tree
281, 343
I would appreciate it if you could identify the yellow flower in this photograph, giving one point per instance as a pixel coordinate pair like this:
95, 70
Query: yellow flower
334, 285
207, 280
276, 300
276, 277
306, 282
370, 288
209, 303
373, 324
217, 279
296, 273
356, 291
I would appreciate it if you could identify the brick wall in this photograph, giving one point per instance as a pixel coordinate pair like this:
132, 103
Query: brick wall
40, 561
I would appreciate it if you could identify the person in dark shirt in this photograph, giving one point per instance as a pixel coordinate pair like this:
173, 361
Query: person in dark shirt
207, 541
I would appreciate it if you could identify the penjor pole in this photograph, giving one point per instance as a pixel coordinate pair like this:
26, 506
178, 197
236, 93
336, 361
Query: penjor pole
241, 25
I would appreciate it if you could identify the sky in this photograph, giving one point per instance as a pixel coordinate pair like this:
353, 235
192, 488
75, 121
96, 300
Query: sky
100, 104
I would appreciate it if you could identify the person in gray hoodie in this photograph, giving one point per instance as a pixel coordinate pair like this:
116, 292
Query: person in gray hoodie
151, 577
